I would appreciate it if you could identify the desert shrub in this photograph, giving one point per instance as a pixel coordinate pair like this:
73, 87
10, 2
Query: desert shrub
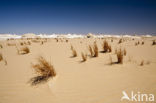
106, 47
1, 46
120, 41
95, 48
84, 57
142, 63
74, 53
24, 50
119, 56
44, 70
124, 52
91, 50
1, 57
153, 43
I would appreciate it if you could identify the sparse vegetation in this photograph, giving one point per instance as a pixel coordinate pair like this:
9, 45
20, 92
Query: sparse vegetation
91, 51
136, 44
74, 53
24, 50
96, 52
106, 47
142, 63
142, 43
1, 57
84, 57
153, 43
119, 56
44, 70
11, 44
120, 41
1, 46
21, 43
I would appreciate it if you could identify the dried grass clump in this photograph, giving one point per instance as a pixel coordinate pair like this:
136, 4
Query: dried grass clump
120, 41
84, 57
142, 63
28, 43
143, 43
96, 52
106, 47
136, 44
24, 50
91, 51
21, 43
153, 43
119, 56
42, 42
1, 46
44, 70
74, 53
1, 57
11, 44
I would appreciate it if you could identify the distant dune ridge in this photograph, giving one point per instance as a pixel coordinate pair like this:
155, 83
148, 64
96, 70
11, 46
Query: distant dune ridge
73, 68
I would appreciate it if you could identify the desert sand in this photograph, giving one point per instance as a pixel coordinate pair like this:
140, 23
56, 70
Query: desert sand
92, 81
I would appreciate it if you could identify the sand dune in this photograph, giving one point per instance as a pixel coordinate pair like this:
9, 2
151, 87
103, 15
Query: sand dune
92, 81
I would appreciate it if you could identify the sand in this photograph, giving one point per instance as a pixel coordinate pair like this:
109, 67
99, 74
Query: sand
93, 81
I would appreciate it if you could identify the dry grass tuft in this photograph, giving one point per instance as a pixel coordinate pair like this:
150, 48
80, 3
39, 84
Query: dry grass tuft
42, 42
153, 43
136, 44
142, 43
1, 57
84, 57
11, 44
44, 70
24, 50
106, 47
91, 51
21, 43
119, 56
96, 52
1, 46
74, 53
120, 41
142, 63
29, 43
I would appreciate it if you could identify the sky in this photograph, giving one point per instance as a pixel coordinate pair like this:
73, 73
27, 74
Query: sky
78, 16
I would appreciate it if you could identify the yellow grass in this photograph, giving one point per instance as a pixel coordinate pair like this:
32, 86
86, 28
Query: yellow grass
24, 50
1, 57
95, 48
119, 56
44, 70
106, 47
74, 53
142, 63
84, 57
91, 51
153, 43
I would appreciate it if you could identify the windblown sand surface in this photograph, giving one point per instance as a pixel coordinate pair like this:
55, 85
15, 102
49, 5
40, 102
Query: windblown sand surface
93, 81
